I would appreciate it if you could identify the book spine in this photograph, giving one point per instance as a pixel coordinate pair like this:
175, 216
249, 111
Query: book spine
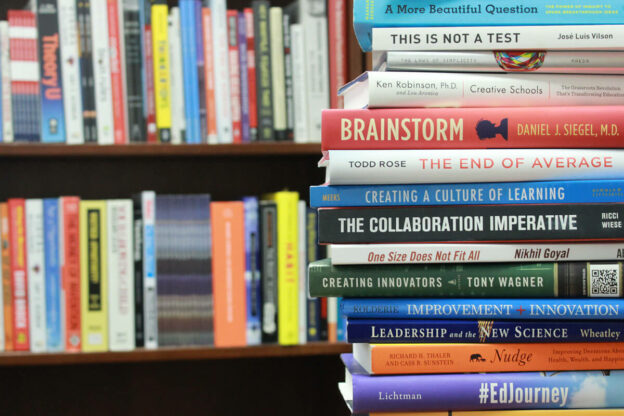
72, 98
234, 76
440, 331
313, 17
19, 274
220, 46
268, 247
120, 275
323, 320
476, 253
133, 66
178, 117
228, 263
51, 80
341, 324
189, 64
392, 13
288, 79
582, 279
36, 274
489, 357
563, 192
102, 72
53, 312
443, 89
251, 74
244, 74
25, 76
472, 128
5, 64
149, 104
3, 337
485, 38
201, 64
150, 305
94, 280
300, 89
527, 309
481, 391
116, 74
585, 62
278, 82
253, 271
209, 77
264, 89
578, 222
139, 317
337, 22
332, 319
355, 167
71, 273
313, 305
7, 288
302, 258
162, 81
85, 56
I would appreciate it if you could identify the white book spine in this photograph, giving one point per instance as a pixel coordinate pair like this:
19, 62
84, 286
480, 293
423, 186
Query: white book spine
577, 37
150, 305
314, 21
343, 254
300, 88
332, 315
581, 62
72, 98
120, 275
101, 72
435, 89
359, 167
278, 80
222, 71
303, 271
36, 274
5, 64
178, 116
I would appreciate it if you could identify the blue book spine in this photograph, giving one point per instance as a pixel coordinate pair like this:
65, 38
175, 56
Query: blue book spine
341, 323
549, 192
54, 330
189, 64
244, 81
381, 331
540, 309
252, 271
400, 13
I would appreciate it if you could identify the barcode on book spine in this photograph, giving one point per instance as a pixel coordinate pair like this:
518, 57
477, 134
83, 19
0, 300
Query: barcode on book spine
605, 280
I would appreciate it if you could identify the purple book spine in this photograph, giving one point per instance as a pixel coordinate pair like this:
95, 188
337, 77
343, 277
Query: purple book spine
252, 270
244, 81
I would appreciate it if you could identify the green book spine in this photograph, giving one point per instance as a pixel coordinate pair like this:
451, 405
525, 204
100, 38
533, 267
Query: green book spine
499, 280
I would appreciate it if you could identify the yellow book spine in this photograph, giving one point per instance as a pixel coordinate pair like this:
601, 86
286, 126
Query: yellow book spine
287, 267
162, 75
93, 276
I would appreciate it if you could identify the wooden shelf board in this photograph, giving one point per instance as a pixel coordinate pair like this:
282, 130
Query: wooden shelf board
171, 354
157, 150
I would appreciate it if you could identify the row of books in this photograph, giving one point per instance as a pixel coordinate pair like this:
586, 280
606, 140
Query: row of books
157, 270
126, 71
455, 260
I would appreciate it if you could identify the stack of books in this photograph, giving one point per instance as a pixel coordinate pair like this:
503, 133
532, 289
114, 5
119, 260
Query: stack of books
157, 270
133, 71
477, 250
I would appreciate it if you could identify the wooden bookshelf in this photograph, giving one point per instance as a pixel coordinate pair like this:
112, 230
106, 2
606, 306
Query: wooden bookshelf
172, 354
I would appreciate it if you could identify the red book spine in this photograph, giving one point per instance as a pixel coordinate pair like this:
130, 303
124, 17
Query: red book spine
209, 76
337, 22
119, 104
235, 90
251, 73
70, 272
149, 81
474, 128
19, 274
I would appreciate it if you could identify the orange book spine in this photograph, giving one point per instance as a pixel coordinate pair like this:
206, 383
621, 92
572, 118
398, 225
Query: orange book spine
209, 81
476, 358
7, 287
228, 273
70, 272
19, 273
